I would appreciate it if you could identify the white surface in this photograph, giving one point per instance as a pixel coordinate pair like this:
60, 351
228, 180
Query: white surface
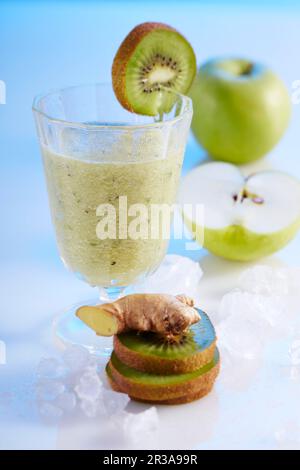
44, 47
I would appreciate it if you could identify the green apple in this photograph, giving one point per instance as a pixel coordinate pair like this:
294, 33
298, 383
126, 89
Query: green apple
241, 109
244, 218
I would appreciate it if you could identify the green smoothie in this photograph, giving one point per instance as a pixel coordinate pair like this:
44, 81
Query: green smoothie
78, 186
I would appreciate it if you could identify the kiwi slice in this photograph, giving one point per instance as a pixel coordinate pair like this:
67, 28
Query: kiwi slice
162, 388
153, 59
150, 352
187, 398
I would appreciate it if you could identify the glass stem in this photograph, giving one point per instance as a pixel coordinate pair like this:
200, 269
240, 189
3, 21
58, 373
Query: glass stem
110, 294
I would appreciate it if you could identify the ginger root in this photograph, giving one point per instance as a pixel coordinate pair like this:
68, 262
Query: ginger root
159, 313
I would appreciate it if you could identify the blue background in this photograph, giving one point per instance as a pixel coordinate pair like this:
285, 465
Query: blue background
46, 45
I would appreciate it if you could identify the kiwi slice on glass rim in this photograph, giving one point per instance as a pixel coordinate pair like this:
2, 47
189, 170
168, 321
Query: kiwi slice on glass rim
152, 61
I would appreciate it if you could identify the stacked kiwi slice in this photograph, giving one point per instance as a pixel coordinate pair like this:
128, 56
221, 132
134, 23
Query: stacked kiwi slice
152, 64
149, 368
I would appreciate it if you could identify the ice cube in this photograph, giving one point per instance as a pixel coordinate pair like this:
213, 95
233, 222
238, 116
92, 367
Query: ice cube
293, 275
265, 312
176, 275
49, 389
66, 401
240, 337
92, 408
141, 427
115, 402
294, 352
50, 368
76, 358
50, 411
92, 365
265, 280
90, 386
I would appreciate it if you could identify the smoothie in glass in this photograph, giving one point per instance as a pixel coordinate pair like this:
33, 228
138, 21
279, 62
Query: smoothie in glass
78, 186
95, 154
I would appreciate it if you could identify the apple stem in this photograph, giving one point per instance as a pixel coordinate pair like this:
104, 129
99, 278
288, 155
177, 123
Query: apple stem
247, 70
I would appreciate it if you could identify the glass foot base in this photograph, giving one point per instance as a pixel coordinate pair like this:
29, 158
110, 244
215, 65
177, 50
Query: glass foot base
68, 330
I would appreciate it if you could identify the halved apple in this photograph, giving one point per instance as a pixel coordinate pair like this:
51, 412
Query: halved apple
245, 218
